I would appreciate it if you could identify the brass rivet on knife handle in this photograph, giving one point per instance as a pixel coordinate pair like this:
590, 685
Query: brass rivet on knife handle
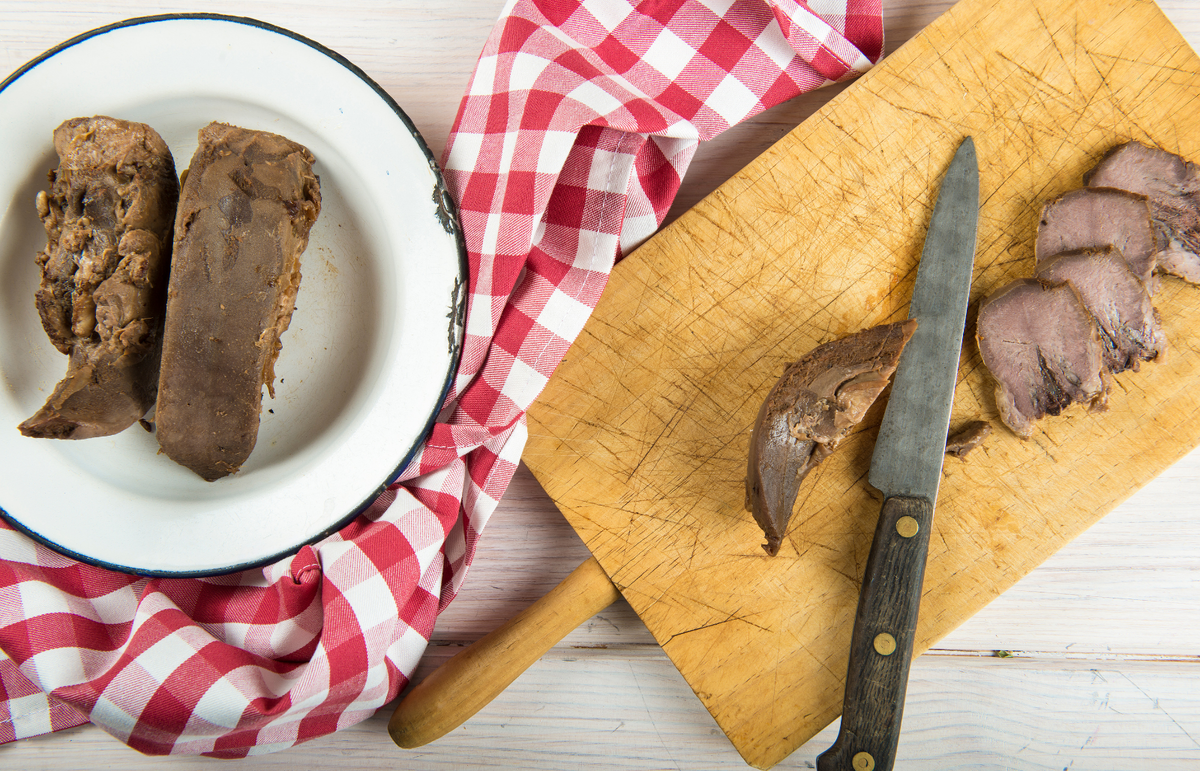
465, 684
907, 527
863, 762
885, 644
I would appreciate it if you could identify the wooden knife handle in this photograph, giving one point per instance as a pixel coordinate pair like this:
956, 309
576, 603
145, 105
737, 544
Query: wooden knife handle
462, 686
882, 641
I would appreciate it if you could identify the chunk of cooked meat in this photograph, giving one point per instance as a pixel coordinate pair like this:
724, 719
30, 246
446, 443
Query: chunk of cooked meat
1043, 348
248, 203
967, 438
809, 411
1130, 328
108, 217
1094, 218
1172, 184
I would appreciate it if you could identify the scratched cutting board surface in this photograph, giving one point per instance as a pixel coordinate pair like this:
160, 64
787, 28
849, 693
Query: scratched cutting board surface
642, 434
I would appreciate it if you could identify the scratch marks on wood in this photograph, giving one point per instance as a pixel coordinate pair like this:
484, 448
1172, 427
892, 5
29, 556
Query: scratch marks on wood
703, 627
1158, 706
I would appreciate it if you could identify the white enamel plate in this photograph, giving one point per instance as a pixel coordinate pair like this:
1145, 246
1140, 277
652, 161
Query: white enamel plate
372, 345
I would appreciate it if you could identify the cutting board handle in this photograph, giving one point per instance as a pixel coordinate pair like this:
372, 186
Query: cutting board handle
462, 686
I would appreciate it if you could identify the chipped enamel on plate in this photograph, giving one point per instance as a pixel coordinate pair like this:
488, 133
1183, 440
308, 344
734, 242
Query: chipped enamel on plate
372, 345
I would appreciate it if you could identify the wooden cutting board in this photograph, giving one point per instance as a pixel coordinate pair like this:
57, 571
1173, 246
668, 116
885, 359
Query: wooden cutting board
642, 434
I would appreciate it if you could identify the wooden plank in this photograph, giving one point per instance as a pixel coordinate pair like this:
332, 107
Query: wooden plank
963, 712
641, 435
421, 52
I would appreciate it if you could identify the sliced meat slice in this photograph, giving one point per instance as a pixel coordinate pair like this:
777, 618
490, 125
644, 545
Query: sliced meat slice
1173, 186
1043, 348
1130, 328
1181, 262
248, 203
809, 411
1098, 217
1145, 170
108, 217
967, 438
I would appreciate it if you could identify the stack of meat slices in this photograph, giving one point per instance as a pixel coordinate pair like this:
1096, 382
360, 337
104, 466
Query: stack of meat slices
1057, 338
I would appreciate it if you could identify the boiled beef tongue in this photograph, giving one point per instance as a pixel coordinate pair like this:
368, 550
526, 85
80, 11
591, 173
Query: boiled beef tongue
809, 411
1043, 348
1130, 328
962, 442
1097, 218
108, 217
247, 207
1172, 186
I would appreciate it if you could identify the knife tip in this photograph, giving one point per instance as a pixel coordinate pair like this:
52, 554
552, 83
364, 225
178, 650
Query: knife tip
966, 148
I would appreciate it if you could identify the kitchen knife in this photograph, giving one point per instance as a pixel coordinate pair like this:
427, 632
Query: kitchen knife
906, 467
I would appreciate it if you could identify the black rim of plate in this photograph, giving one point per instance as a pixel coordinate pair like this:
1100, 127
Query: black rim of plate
458, 301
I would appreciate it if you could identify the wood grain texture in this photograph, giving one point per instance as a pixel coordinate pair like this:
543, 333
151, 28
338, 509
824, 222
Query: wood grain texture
641, 435
1010, 714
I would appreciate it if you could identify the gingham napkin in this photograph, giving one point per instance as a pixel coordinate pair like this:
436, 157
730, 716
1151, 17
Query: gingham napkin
568, 148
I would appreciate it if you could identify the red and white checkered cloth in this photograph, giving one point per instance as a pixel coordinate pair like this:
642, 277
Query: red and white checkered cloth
568, 148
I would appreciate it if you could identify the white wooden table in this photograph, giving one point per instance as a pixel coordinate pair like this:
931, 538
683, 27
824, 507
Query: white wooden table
1104, 638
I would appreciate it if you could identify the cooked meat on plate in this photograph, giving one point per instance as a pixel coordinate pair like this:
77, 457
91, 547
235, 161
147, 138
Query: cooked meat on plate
248, 203
108, 216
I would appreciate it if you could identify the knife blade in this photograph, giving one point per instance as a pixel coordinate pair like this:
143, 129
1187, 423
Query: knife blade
906, 467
